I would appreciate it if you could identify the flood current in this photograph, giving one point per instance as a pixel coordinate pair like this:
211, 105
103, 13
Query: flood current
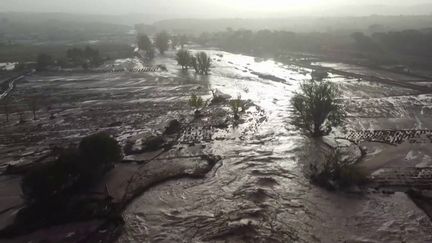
259, 192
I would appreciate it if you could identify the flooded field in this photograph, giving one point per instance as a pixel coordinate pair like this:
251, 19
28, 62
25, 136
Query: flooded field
258, 192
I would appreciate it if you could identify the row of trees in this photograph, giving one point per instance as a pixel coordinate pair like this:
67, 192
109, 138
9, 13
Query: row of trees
33, 101
43, 61
409, 42
201, 62
161, 42
387, 47
85, 57
271, 42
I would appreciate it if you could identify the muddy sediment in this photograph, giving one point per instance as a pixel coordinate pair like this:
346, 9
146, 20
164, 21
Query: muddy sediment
180, 150
257, 191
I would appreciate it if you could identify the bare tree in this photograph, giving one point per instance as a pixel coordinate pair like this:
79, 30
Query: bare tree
34, 103
21, 116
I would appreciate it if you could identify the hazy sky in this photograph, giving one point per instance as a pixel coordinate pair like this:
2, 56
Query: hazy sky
213, 8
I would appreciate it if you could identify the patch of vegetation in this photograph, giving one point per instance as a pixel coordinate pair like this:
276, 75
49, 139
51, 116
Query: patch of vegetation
146, 45
238, 107
27, 53
173, 127
75, 169
87, 57
162, 42
317, 108
43, 61
218, 97
319, 75
407, 47
179, 40
184, 58
51, 180
201, 62
196, 102
58, 192
100, 150
334, 173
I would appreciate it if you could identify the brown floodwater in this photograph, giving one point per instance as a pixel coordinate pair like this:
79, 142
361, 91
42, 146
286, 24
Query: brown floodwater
259, 192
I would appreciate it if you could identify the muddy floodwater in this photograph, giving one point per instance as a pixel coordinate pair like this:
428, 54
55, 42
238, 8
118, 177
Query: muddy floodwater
258, 191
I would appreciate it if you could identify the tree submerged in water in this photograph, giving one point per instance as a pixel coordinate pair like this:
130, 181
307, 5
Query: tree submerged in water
317, 108
184, 58
162, 42
146, 45
201, 62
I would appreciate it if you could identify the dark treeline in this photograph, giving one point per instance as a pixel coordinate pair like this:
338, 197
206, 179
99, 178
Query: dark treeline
409, 42
37, 27
85, 57
411, 47
267, 41
29, 52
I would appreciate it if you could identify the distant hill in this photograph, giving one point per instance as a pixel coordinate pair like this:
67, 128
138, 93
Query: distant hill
124, 19
298, 24
56, 26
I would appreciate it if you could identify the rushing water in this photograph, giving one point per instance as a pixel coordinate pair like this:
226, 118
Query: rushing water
258, 192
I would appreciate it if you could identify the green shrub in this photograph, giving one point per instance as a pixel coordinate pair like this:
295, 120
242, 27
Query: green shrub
237, 107
86, 57
317, 108
196, 102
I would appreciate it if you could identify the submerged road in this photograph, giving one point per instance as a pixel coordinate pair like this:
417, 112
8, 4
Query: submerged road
9, 85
